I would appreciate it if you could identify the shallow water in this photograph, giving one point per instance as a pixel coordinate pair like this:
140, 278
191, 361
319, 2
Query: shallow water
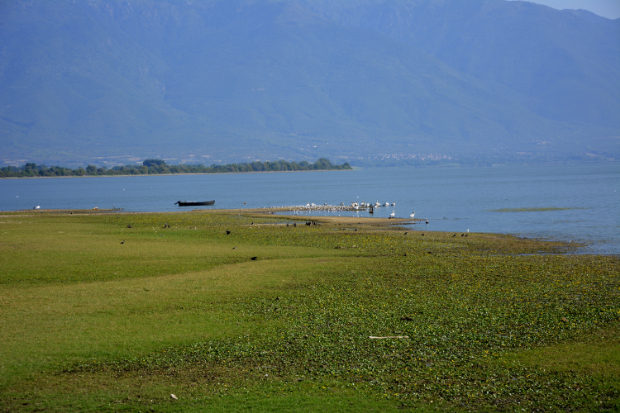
451, 199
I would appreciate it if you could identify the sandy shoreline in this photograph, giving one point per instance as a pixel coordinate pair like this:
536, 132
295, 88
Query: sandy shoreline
253, 212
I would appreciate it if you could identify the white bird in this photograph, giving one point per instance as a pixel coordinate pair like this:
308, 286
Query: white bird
393, 214
37, 207
393, 203
412, 215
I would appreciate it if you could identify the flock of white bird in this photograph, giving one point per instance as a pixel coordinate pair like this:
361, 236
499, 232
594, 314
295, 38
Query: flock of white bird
377, 204
342, 207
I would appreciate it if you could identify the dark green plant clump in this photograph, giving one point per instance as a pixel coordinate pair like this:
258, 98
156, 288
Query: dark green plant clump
533, 209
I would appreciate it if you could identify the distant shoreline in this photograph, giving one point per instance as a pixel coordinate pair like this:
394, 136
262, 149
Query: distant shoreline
189, 173
160, 167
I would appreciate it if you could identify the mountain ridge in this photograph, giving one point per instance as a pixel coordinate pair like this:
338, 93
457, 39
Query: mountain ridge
240, 80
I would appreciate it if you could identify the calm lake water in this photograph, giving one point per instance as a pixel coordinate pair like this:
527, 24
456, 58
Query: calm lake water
451, 199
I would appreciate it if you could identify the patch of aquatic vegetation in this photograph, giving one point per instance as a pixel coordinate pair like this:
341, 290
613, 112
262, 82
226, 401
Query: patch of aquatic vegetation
445, 325
531, 209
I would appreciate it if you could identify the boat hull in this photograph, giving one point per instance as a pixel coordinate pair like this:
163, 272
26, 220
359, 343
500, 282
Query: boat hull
192, 203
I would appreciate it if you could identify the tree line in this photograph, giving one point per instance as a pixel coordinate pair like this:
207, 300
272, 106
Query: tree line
159, 166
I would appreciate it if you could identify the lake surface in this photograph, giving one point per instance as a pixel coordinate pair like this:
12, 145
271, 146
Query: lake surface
451, 199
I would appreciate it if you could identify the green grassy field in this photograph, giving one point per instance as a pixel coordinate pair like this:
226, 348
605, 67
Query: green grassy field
116, 312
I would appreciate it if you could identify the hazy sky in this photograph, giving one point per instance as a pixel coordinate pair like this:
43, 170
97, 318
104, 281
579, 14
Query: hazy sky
605, 8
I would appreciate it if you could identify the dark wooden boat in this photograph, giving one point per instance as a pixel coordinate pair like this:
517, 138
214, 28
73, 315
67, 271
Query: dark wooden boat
194, 203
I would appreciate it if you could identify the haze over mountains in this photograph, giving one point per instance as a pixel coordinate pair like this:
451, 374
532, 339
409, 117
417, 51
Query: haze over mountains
224, 80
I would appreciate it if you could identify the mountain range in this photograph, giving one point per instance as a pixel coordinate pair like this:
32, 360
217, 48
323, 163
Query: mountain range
109, 81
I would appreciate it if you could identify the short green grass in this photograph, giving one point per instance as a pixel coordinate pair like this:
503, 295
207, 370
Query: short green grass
181, 307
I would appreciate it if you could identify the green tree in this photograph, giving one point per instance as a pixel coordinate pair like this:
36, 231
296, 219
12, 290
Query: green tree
154, 162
